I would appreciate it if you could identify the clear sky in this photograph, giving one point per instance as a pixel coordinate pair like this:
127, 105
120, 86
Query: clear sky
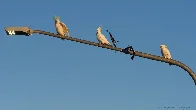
45, 73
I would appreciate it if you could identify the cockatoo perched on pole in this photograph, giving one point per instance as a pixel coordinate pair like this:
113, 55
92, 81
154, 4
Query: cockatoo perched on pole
61, 28
165, 52
101, 38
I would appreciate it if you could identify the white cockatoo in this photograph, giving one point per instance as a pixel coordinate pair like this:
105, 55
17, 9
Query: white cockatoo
165, 52
101, 38
61, 28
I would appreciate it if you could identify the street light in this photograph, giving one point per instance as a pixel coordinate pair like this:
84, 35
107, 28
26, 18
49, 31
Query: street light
27, 31
19, 31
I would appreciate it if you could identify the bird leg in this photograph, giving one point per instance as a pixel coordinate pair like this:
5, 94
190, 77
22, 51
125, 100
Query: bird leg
68, 35
100, 43
170, 63
62, 38
108, 44
169, 59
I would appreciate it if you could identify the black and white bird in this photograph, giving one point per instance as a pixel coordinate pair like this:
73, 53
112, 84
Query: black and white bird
112, 39
128, 49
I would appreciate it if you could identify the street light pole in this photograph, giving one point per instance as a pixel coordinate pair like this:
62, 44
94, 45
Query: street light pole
27, 31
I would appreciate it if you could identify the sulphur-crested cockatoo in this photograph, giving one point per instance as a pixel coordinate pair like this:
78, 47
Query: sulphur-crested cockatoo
61, 28
165, 52
101, 38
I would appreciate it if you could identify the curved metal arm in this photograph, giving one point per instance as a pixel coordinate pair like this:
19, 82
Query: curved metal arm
137, 53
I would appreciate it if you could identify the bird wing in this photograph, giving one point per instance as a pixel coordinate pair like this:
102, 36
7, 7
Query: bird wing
166, 53
65, 29
104, 39
98, 37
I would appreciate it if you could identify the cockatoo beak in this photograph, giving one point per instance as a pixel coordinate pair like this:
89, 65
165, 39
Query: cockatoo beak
54, 17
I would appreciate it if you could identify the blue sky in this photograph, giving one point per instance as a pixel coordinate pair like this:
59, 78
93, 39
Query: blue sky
45, 73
